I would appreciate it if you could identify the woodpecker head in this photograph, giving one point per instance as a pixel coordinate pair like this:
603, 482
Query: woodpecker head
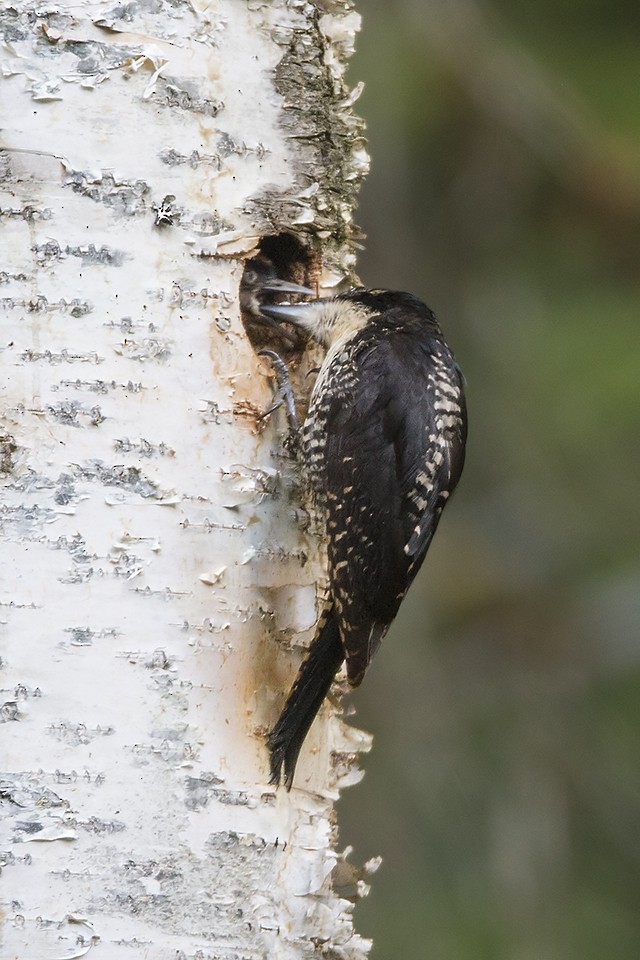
333, 318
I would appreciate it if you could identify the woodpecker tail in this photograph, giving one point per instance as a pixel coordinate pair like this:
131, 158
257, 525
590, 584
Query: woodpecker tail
305, 698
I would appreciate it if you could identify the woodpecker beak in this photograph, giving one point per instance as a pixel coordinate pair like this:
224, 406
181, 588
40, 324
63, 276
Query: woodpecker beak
283, 286
296, 313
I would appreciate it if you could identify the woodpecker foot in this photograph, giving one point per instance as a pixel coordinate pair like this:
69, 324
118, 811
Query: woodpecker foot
284, 393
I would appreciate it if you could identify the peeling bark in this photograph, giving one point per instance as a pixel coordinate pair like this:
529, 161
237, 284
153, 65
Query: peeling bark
159, 570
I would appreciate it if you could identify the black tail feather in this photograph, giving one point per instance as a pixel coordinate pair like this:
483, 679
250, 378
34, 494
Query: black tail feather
311, 686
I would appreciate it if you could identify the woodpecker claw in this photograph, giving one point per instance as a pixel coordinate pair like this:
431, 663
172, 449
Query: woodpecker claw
284, 394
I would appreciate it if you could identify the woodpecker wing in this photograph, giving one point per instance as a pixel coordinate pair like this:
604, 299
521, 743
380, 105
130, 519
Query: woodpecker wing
394, 453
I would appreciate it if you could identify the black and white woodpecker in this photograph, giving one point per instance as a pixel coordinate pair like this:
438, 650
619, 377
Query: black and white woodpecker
383, 448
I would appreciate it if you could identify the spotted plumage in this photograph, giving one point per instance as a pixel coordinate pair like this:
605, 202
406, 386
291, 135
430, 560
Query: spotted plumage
383, 449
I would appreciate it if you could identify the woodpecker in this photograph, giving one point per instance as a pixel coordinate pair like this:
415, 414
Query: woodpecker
383, 448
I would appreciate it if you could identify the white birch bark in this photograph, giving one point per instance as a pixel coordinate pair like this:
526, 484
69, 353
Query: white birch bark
157, 584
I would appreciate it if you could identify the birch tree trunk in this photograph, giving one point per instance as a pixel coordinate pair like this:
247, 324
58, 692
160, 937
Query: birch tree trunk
158, 577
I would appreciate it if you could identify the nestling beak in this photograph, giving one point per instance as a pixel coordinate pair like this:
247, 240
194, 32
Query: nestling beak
274, 314
283, 286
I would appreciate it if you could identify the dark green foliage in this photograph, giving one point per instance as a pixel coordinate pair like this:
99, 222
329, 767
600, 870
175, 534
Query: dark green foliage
504, 785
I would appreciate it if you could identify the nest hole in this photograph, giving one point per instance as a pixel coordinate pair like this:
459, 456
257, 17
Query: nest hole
284, 258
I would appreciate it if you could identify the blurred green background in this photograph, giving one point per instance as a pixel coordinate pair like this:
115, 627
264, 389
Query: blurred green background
503, 790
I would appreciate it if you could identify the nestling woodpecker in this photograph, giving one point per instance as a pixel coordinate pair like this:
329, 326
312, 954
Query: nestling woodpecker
383, 448
261, 285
